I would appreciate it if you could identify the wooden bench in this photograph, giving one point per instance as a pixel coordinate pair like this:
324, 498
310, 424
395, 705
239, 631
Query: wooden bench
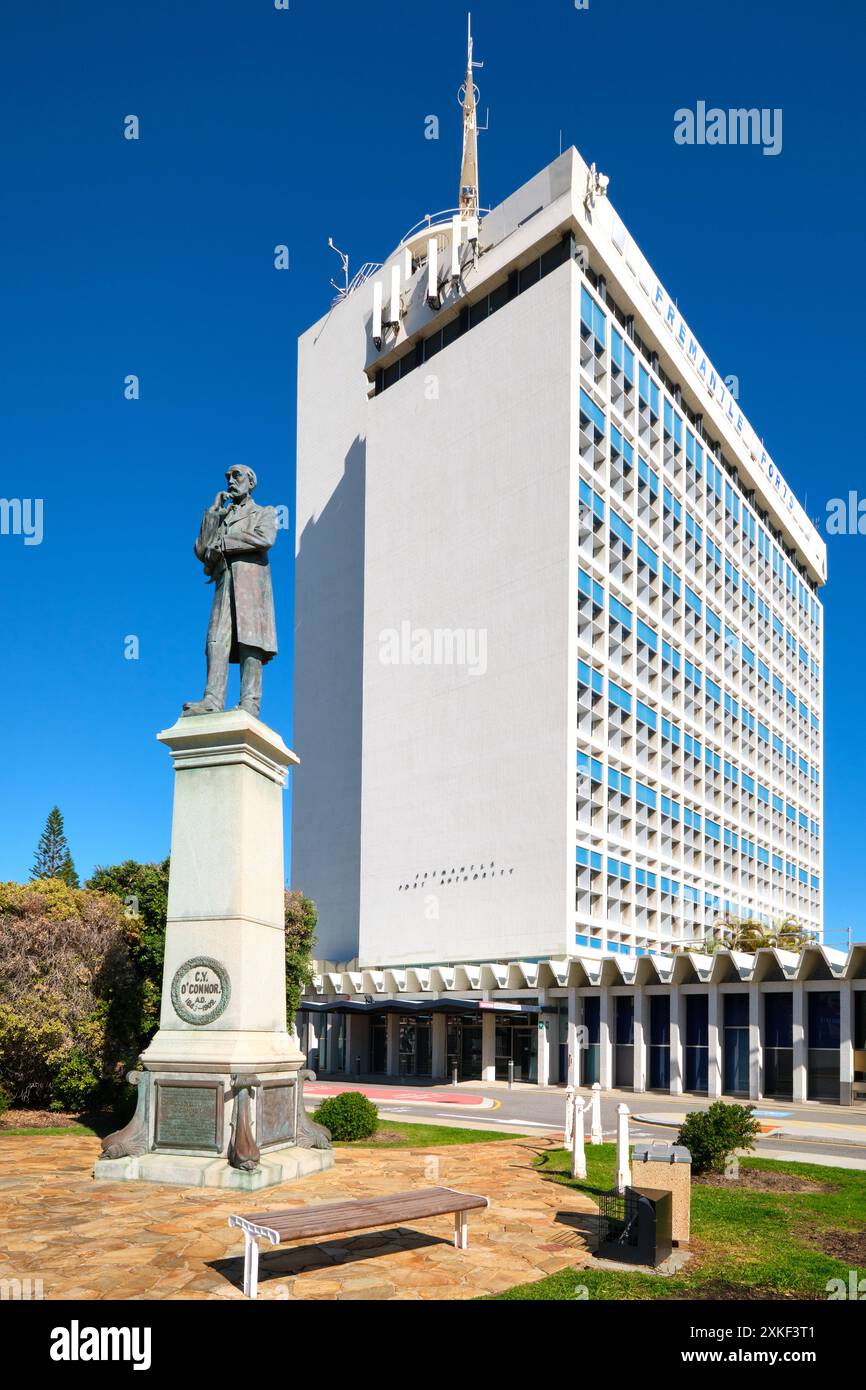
328, 1218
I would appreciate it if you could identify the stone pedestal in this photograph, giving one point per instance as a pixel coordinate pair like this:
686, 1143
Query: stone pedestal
222, 1070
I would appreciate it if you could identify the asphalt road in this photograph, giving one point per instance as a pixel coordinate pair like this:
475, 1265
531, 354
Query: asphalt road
528, 1109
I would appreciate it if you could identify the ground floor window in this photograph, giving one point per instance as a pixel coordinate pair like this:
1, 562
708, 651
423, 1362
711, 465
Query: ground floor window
823, 1042
660, 1042
623, 1047
562, 1040
735, 1046
592, 1053
697, 1042
779, 1045
860, 1037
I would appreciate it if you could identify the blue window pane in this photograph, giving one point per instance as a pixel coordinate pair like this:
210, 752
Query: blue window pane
736, 1010
778, 1020
624, 1024
824, 1018
592, 1018
660, 1020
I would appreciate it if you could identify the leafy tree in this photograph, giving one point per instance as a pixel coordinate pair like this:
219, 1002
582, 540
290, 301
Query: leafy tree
52, 858
143, 889
301, 918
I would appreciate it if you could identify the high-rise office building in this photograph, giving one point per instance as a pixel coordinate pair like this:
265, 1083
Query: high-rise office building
559, 635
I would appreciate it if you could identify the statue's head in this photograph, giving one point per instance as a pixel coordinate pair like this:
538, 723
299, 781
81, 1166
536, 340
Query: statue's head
241, 481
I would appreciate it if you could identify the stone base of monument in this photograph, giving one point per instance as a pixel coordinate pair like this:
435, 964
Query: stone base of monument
186, 1170
238, 1131
220, 1095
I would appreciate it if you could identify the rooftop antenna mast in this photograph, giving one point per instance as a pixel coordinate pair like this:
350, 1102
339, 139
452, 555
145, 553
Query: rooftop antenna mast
468, 98
342, 290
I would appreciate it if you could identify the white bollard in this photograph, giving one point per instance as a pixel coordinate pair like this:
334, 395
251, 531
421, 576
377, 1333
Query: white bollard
623, 1168
569, 1116
578, 1152
595, 1131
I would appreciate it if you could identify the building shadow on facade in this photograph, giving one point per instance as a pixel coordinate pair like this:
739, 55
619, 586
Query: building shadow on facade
329, 673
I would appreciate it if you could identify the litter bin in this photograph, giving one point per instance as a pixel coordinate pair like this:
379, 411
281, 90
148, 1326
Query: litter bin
668, 1166
636, 1226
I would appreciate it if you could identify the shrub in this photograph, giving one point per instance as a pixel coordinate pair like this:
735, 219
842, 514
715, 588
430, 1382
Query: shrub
348, 1116
301, 915
31, 1048
71, 1005
711, 1136
75, 1084
4, 1099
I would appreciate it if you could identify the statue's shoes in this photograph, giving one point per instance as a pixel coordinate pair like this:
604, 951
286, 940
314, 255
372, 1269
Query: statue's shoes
248, 710
200, 707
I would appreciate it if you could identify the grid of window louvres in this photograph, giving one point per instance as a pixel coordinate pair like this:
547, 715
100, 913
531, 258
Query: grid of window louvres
698, 677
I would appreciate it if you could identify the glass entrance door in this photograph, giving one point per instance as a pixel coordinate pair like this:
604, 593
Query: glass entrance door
378, 1044
416, 1045
525, 1053
408, 1039
470, 1051
517, 1042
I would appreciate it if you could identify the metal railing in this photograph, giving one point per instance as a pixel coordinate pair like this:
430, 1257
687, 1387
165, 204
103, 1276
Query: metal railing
436, 221
358, 279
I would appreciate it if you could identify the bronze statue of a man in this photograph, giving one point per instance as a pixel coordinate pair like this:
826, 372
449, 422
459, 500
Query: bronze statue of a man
233, 546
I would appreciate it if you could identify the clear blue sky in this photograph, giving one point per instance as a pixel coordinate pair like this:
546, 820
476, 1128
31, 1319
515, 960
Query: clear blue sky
261, 126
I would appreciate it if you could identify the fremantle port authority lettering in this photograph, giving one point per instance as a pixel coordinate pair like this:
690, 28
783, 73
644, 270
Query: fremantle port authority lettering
715, 385
200, 990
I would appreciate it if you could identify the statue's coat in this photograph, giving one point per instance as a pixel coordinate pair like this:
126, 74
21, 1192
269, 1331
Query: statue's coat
248, 532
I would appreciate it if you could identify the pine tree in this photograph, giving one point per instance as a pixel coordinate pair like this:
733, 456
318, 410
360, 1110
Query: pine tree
68, 871
53, 859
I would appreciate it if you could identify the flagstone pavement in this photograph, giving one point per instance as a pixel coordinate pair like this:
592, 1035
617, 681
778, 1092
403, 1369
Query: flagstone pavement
100, 1240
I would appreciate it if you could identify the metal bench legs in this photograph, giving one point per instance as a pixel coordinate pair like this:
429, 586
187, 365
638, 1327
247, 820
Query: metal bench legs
251, 1265
461, 1230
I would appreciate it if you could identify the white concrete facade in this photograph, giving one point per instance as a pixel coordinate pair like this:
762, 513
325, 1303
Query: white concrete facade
794, 1057
469, 495
540, 459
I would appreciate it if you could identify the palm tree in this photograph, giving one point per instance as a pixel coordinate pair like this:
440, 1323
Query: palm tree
748, 934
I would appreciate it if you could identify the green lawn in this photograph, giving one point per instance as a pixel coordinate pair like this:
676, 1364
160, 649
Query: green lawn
93, 1124
412, 1136
747, 1243
38, 1131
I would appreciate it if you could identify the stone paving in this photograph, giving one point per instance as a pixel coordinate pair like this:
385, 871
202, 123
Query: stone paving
90, 1240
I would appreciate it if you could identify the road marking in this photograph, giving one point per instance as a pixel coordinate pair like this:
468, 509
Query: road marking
524, 1124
